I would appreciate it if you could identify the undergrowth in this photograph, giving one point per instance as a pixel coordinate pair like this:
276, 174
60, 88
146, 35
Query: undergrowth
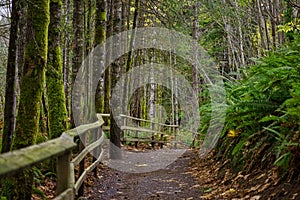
263, 115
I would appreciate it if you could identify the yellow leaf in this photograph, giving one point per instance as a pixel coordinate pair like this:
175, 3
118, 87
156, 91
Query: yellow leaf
231, 190
141, 165
232, 133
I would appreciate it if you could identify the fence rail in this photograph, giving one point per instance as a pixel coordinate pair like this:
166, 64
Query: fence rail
92, 140
155, 128
60, 148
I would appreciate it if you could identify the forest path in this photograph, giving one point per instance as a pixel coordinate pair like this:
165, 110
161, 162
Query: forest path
173, 182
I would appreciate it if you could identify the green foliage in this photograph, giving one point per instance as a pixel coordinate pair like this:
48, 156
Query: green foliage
265, 106
292, 26
205, 112
6, 191
39, 193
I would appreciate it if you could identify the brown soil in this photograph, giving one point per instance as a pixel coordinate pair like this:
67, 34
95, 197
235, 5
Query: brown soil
193, 178
188, 178
174, 182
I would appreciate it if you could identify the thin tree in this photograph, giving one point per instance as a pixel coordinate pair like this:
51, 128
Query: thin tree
78, 44
10, 103
115, 131
67, 45
78, 53
99, 38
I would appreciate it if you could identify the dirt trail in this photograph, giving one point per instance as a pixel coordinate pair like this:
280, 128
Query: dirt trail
173, 182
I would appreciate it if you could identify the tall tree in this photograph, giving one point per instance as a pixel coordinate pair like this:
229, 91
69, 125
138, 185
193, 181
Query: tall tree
195, 35
10, 103
57, 116
115, 131
78, 54
67, 45
100, 36
78, 43
27, 124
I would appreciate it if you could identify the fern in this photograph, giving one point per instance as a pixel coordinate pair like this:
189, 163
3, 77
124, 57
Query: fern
266, 101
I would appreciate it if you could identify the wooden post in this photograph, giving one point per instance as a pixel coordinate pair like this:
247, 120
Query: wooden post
152, 128
123, 140
176, 130
81, 164
97, 150
63, 173
162, 139
136, 136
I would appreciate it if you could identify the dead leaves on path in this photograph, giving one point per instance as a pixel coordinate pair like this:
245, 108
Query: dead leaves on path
218, 182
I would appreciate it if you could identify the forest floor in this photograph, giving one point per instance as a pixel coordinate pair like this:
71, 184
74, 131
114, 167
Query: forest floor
189, 177
174, 182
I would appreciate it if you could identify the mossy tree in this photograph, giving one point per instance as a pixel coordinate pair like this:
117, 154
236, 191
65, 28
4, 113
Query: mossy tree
100, 36
31, 88
54, 76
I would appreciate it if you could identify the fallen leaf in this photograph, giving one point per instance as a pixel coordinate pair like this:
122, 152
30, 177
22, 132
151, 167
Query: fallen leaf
141, 165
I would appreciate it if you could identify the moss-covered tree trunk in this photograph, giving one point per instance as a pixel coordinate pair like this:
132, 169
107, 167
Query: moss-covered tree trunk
57, 111
31, 88
100, 36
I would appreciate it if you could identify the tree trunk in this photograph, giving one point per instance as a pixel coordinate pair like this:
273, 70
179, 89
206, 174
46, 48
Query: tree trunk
130, 60
100, 36
57, 113
78, 49
107, 77
115, 131
66, 53
195, 35
261, 27
10, 100
27, 125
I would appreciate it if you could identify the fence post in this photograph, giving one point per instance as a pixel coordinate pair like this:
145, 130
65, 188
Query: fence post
123, 131
81, 165
96, 151
152, 128
63, 172
176, 131
162, 140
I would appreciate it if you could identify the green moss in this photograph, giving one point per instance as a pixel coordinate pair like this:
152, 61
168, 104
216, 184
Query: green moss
57, 112
31, 88
100, 36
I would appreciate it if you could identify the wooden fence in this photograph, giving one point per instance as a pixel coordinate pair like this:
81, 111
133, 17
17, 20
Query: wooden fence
91, 140
60, 148
154, 128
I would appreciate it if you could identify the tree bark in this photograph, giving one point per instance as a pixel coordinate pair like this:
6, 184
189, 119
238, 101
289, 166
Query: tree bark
31, 88
100, 36
195, 35
57, 112
78, 47
10, 101
66, 52
115, 131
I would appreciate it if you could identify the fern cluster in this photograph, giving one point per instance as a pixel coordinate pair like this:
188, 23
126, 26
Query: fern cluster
264, 112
